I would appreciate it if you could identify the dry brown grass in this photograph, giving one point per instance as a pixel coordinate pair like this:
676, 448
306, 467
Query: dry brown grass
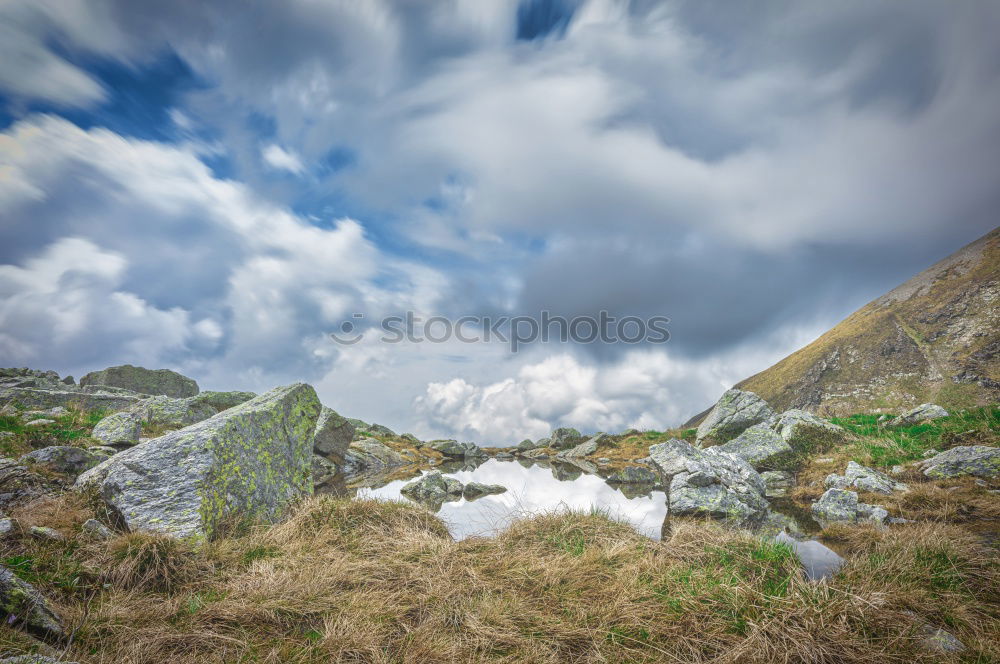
366, 581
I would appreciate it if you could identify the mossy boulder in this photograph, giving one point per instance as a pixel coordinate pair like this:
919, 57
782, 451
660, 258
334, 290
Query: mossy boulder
22, 604
976, 460
733, 414
144, 381
761, 446
246, 463
119, 429
564, 438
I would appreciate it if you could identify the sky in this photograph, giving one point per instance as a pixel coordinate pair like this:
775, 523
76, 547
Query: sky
215, 187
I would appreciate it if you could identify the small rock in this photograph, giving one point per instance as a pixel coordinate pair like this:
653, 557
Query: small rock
63, 459
46, 533
453, 448
925, 411
39, 423
96, 529
6, 526
564, 438
119, 429
586, 448
864, 479
633, 475
836, 505
938, 640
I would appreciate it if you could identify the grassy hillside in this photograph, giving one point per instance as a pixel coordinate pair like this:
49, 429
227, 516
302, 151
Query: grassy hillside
934, 338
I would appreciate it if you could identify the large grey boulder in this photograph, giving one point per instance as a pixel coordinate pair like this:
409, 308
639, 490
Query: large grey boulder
733, 414
246, 463
864, 478
805, 432
333, 434
761, 446
22, 604
565, 438
119, 429
976, 460
709, 482
371, 455
171, 412
585, 448
144, 381
925, 411
63, 459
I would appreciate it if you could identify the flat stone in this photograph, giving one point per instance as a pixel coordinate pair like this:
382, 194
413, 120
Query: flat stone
976, 460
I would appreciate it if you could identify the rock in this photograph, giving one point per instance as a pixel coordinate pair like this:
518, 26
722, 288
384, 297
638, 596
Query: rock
33, 659
432, 486
103, 451
6, 526
19, 485
30, 397
778, 482
123, 428
526, 445
39, 423
453, 448
474, 490
633, 475
247, 462
976, 460
45, 533
733, 414
709, 482
143, 381
24, 605
323, 470
370, 454
56, 411
761, 446
586, 448
925, 411
170, 412
537, 453
410, 438
939, 641
63, 459
805, 432
504, 455
220, 401
333, 434
96, 529
842, 506
863, 478
564, 438
836, 505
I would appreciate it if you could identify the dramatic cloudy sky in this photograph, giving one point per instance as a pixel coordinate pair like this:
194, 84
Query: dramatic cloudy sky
215, 186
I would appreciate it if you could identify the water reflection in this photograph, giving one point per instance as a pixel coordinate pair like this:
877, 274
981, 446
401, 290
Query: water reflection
539, 485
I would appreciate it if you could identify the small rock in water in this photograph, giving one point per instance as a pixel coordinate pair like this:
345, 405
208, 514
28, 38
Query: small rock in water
474, 490
633, 475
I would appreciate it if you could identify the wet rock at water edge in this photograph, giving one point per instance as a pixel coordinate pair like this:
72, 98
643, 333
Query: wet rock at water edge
333, 435
734, 413
842, 506
709, 482
585, 448
474, 490
633, 475
247, 462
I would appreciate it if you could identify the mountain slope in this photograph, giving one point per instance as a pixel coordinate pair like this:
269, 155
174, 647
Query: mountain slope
934, 338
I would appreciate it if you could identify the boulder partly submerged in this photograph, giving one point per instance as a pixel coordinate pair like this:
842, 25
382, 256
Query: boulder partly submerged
709, 482
143, 381
976, 460
245, 463
733, 414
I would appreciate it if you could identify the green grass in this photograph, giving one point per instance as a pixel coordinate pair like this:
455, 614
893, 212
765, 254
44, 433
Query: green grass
880, 445
73, 428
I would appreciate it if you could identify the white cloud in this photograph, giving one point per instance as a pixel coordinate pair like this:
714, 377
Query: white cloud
280, 159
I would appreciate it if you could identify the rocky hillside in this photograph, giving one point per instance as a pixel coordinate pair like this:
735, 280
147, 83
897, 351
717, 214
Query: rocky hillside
934, 338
